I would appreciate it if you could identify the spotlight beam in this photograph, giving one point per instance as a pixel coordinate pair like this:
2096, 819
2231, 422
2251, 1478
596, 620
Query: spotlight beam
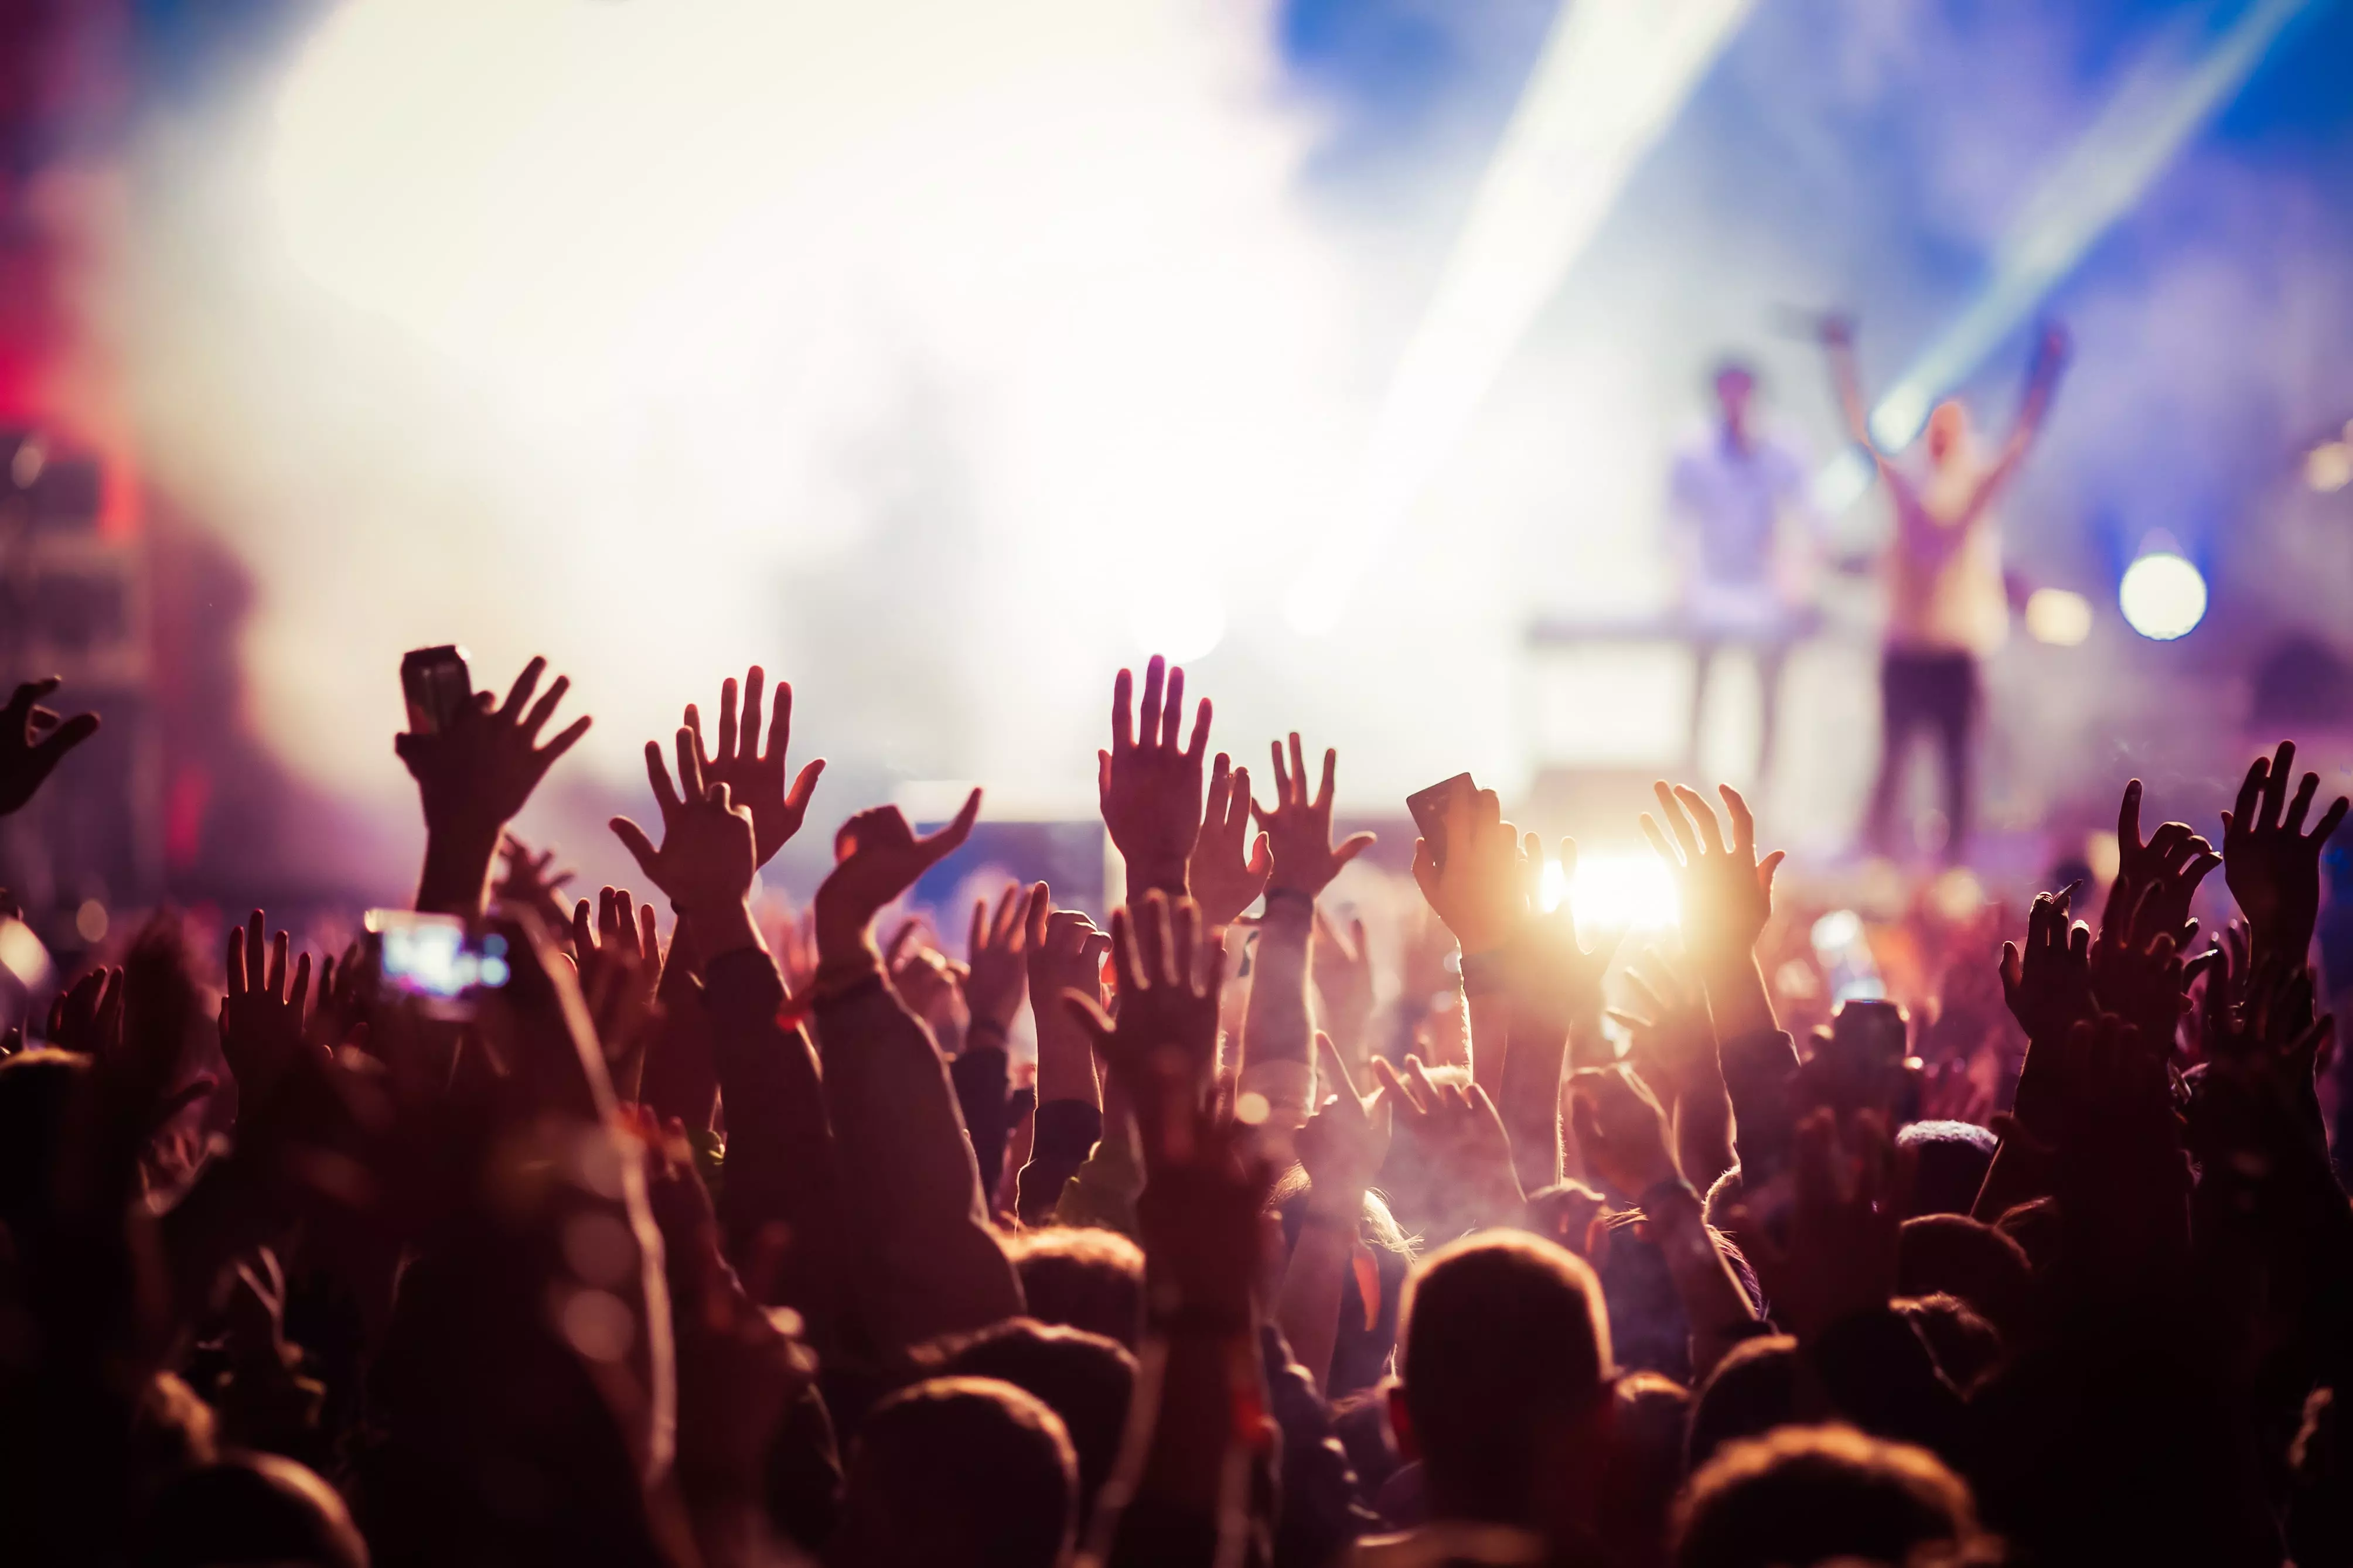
1611, 78
2141, 133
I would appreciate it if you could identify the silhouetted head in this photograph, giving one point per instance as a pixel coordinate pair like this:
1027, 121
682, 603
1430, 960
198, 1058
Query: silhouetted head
251, 1508
1081, 1277
1085, 1379
1948, 431
1752, 1390
1645, 1466
1809, 1495
1735, 388
1953, 1158
1953, 1255
958, 1472
1506, 1377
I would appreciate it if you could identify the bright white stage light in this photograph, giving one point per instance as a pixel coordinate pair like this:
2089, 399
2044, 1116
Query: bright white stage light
2159, 107
2056, 616
2162, 595
1613, 892
1611, 78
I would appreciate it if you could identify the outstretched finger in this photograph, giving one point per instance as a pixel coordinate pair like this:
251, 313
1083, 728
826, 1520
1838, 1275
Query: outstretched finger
1297, 793
640, 847
1659, 842
1147, 711
545, 709
658, 776
1743, 822
780, 720
1703, 816
2276, 784
584, 929
2329, 820
565, 741
949, 839
1338, 1078
1122, 716
1323, 801
1172, 708
1199, 743
723, 740
524, 685
1671, 812
2305, 788
2128, 820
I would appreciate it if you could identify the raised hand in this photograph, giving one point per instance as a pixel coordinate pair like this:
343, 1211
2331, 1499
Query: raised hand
1342, 968
34, 740
86, 1017
530, 883
1163, 1048
998, 955
1554, 978
929, 983
877, 858
1479, 892
1725, 892
707, 853
1462, 1139
475, 775
616, 942
755, 778
2272, 865
1223, 883
1149, 786
1836, 1256
1672, 1044
2048, 985
1343, 1145
2138, 971
1065, 953
2168, 867
1620, 1129
1300, 828
262, 1036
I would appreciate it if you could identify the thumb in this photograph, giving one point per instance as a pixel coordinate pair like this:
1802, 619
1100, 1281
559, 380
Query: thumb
633, 839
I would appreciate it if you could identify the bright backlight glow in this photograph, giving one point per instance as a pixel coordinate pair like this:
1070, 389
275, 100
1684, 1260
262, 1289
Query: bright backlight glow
2162, 596
1613, 892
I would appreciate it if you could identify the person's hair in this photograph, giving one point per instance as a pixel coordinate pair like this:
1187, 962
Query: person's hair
1721, 1194
1965, 1345
1952, 1160
1645, 1466
1081, 1277
1752, 1390
958, 1472
1952, 1255
1808, 1495
2034, 1224
249, 1507
1505, 1343
1085, 1379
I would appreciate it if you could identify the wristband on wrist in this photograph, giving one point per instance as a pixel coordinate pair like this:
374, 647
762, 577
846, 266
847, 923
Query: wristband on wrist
984, 1032
1301, 894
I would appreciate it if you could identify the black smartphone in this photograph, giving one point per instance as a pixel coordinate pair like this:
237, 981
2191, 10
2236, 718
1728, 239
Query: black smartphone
437, 684
1430, 805
1870, 1034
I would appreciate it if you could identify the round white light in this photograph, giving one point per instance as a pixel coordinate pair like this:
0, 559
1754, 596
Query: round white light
2056, 616
2329, 467
2162, 596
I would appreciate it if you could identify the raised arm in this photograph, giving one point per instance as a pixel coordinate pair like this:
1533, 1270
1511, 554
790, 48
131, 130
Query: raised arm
472, 777
34, 740
2042, 382
1277, 1059
1480, 893
1727, 896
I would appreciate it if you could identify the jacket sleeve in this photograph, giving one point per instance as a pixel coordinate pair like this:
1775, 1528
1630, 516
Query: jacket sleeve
911, 1197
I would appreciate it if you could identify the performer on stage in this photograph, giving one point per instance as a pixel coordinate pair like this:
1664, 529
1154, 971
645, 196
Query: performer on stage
1746, 577
1948, 608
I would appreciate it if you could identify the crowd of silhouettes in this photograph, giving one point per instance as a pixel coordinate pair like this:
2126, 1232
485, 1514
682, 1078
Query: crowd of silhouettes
746, 1243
